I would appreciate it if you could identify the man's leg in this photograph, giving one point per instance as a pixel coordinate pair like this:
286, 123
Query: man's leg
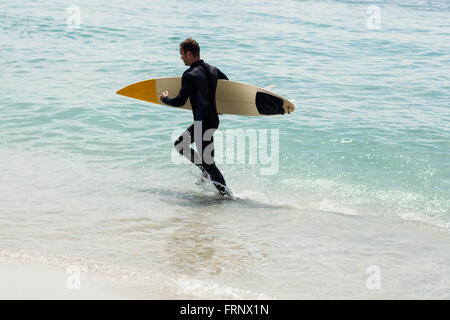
206, 162
207, 149
182, 145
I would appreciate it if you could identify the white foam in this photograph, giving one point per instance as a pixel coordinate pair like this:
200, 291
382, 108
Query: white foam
334, 206
101, 280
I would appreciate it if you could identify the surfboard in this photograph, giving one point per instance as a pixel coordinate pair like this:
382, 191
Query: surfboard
231, 97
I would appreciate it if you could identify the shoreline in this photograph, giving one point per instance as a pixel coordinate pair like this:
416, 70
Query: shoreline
35, 281
29, 277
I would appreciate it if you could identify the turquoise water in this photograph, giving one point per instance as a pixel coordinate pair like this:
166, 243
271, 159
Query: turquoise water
363, 176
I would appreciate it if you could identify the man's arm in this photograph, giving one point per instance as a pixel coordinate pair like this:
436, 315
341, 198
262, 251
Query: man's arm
183, 95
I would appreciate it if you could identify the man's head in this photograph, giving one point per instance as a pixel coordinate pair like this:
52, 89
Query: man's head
189, 51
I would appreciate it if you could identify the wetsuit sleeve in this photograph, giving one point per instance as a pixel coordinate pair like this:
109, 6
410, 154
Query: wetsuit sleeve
222, 76
186, 88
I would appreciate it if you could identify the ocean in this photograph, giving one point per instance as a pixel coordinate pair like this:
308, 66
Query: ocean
348, 199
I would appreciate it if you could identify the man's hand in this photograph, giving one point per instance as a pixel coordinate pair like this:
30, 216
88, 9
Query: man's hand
163, 95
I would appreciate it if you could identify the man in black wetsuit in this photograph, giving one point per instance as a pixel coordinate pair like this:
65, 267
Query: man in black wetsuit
199, 84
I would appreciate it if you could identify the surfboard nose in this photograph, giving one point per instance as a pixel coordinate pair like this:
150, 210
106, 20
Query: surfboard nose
144, 90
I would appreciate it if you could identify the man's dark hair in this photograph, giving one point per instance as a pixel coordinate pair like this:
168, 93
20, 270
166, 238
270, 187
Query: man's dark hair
191, 45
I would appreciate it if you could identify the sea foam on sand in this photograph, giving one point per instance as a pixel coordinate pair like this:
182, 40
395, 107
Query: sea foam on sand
40, 282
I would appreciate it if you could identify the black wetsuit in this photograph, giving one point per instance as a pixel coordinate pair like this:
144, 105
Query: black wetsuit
199, 84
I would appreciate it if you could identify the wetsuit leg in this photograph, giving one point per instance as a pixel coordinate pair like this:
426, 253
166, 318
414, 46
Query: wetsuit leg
209, 165
182, 145
206, 162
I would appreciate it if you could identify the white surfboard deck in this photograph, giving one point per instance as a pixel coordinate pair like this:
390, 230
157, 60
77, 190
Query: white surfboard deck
231, 97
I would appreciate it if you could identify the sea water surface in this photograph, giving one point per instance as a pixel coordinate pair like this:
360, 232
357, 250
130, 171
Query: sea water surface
358, 205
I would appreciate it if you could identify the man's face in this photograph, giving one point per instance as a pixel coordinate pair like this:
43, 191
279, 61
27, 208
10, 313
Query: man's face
184, 57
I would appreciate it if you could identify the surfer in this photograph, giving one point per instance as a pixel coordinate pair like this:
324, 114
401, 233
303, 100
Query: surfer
199, 84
